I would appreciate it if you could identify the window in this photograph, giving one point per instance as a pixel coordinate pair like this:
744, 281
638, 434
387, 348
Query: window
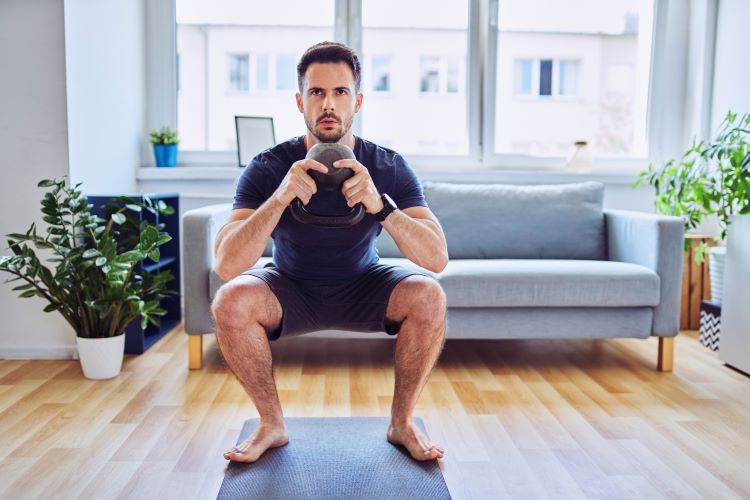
261, 71
420, 57
286, 72
250, 48
545, 77
580, 72
381, 73
568, 75
239, 73
522, 77
429, 80
487, 82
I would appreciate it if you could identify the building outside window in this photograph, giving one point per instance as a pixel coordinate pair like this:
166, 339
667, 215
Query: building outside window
560, 72
239, 73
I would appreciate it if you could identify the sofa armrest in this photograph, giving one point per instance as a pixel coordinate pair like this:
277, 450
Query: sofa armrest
654, 241
199, 228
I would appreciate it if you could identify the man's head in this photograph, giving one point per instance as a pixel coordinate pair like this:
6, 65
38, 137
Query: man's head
329, 75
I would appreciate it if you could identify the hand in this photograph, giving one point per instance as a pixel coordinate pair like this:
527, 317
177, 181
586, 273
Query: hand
297, 183
360, 188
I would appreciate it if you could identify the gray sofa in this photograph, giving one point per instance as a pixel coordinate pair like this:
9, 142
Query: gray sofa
525, 262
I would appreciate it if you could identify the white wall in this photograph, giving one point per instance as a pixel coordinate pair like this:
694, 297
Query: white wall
34, 145
732, 62
104, 52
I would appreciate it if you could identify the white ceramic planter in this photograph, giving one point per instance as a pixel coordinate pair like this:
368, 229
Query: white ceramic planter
101, 358
716, 258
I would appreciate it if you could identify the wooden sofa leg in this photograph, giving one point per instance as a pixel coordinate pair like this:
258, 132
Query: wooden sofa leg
665, 360
195, 352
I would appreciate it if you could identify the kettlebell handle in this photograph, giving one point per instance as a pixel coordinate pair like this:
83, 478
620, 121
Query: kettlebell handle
301, 214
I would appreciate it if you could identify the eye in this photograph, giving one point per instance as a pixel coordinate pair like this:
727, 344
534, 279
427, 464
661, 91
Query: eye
342, 91
315, 91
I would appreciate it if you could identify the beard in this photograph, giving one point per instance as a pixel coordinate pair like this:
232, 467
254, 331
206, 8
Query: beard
329, 135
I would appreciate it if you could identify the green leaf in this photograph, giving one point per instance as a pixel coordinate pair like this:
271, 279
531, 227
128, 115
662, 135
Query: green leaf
100, 261
91, 252
45, 183
154, 254
118, 218
135, 208
27, 294
52, 307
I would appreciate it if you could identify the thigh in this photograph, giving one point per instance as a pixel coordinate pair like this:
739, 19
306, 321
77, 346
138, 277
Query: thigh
246, 299
298, 308
361, 304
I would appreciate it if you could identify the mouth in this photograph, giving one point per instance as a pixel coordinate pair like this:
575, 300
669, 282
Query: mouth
328, 122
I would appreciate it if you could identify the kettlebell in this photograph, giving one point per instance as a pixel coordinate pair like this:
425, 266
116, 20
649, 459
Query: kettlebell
327, 153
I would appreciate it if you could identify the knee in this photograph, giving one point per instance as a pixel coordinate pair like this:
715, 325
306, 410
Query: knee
427, 302
235, 305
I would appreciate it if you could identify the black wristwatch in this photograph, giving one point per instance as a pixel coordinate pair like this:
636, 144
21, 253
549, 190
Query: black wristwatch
388, 207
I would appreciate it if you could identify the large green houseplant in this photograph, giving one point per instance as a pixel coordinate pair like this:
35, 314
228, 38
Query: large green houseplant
95, 282
711, 178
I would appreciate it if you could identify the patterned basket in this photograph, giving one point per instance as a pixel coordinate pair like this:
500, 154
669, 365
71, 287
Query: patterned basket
710, 326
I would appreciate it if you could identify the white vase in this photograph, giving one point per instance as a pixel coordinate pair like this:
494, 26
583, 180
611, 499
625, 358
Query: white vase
716, 258
101, 358
579, 158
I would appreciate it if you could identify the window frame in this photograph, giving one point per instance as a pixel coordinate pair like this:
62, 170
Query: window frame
663, 130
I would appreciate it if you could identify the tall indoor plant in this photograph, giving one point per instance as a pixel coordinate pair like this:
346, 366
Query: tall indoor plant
96, 284
711, 178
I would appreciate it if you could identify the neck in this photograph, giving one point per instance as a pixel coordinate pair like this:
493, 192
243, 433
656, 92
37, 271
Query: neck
347, 140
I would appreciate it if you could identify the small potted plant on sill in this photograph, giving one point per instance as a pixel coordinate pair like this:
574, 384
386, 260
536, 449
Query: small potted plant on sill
96, 284
165, 143
711, 178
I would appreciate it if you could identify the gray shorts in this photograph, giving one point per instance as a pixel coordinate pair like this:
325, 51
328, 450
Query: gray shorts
358, 305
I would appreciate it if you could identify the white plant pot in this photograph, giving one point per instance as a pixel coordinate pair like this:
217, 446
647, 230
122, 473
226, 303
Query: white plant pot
716, 258
101, 358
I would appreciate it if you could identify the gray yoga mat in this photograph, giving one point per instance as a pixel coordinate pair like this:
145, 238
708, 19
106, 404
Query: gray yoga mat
333, 458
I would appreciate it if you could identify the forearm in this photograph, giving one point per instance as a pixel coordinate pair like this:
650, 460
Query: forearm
239, 245
419, 240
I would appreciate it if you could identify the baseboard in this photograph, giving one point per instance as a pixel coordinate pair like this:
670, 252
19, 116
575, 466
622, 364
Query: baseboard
37, 352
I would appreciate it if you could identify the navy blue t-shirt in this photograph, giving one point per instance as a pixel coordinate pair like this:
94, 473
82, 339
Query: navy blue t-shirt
319, 255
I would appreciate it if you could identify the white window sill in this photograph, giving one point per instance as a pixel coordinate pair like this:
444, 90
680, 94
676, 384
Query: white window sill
469, 175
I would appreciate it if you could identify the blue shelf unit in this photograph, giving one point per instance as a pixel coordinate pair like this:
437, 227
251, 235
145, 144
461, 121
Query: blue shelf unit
137, 340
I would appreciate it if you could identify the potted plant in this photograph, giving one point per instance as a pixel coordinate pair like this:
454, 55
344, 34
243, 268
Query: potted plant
165, 143
711, 178
97, 283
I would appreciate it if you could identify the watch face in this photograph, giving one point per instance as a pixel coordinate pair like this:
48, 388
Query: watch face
388, 201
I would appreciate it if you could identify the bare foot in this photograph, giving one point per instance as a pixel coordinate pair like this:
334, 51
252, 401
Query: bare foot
265, 436
414, 441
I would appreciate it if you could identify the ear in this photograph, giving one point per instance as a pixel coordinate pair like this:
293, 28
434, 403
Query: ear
298, 96
358, 103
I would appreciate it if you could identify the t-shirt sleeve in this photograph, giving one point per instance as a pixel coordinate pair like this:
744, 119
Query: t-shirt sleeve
407, 190
252, 186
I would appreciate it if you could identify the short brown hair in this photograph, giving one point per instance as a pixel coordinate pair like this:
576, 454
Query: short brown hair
329, 52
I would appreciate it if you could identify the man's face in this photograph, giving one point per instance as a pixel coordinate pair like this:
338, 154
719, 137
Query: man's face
329, 100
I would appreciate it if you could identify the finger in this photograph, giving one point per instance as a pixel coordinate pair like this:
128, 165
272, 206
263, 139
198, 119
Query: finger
349, 163
302, 190
309, 164
354, 190
353, 200
307, 180
353, 181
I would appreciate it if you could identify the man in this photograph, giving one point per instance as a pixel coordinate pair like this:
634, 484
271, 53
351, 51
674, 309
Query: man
328, 278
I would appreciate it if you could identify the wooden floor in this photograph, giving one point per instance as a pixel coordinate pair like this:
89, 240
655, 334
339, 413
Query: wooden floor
542, 418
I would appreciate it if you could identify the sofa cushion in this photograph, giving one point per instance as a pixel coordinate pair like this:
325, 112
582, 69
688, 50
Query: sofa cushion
544, 283
489, 221
535, 283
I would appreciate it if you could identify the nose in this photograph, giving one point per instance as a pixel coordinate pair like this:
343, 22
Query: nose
328, 103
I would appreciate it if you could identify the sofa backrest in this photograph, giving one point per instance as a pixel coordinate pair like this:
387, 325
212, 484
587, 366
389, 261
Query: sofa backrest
486, 221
